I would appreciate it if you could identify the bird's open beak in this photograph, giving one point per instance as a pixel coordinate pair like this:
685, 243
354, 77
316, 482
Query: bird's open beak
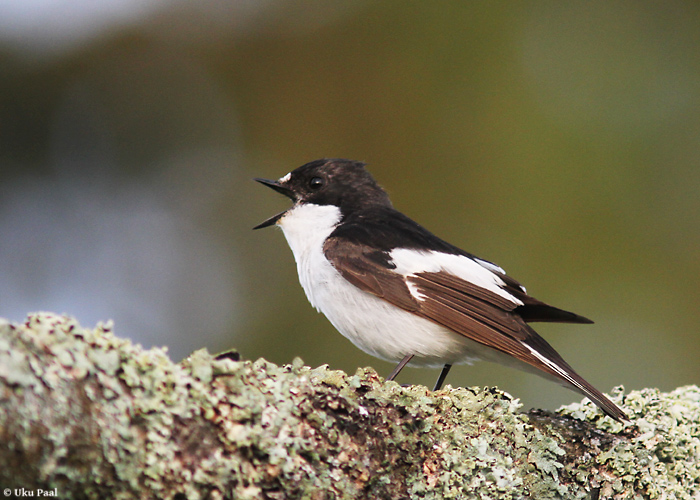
280, 188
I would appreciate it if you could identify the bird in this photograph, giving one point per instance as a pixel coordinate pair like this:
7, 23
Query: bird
402, 294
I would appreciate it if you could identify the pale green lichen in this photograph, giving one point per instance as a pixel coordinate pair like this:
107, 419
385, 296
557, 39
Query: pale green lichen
662, 458
97, 416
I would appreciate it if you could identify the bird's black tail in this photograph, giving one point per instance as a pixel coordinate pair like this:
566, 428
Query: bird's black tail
540, 312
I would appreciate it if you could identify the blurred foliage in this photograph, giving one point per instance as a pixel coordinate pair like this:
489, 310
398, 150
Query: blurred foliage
560, 140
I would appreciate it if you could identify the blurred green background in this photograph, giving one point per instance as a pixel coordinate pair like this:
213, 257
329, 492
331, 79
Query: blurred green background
559, 140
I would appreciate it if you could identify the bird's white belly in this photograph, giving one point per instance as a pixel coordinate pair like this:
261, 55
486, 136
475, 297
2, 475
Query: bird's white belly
382, 329
371, 323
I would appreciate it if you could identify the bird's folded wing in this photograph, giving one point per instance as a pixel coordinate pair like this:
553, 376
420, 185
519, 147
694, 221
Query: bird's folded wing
487, 318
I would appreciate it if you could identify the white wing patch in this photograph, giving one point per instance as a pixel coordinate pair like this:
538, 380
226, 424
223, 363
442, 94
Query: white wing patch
496, 269
481, 273
490, 266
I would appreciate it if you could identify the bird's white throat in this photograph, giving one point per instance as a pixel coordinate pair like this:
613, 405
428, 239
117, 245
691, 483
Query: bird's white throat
307, 226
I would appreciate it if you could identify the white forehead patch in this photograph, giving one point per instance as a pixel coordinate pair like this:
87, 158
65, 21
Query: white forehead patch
286, 177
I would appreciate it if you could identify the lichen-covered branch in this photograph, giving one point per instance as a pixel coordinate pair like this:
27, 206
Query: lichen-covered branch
94, 416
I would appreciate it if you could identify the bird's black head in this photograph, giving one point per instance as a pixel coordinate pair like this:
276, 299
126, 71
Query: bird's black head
342, 183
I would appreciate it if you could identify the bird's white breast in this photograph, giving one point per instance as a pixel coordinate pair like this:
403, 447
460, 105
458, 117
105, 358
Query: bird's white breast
371, 323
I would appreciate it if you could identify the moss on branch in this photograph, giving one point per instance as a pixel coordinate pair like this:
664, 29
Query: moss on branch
96, 416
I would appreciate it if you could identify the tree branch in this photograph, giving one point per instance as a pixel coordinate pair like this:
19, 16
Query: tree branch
95, 416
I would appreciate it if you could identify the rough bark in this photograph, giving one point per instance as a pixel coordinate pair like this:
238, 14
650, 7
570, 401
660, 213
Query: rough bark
85, 414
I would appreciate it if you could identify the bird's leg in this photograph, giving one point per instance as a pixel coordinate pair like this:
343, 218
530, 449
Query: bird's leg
400, 366
442, 377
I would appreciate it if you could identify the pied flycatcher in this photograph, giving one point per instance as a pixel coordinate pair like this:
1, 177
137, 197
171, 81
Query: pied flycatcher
402, 294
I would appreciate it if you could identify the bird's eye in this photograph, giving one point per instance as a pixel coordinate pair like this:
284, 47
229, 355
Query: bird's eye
315, 183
